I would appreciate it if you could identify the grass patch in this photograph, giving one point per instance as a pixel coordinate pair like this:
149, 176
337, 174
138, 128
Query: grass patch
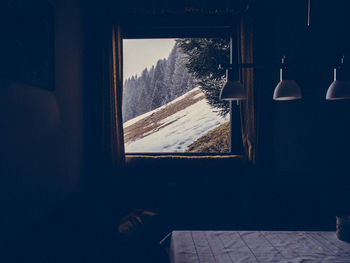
215, 141
153, 122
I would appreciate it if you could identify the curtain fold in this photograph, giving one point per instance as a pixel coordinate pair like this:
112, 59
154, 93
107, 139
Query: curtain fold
248, 115
113, 142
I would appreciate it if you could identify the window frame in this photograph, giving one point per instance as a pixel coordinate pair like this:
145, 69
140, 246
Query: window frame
154, 31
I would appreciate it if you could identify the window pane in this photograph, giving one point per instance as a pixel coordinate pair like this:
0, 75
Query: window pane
171, 95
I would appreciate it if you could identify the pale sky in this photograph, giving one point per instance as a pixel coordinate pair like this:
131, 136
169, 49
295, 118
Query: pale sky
139, 54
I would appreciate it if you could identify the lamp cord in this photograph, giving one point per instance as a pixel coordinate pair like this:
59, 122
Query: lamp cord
308, 12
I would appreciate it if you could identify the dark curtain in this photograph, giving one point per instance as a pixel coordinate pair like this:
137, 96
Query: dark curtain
248, 115
113, 141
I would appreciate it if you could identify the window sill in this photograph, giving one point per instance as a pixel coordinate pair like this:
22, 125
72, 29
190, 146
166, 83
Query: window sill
176, 168
144, 159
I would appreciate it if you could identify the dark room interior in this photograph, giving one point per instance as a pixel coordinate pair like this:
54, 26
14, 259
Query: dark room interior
67, 186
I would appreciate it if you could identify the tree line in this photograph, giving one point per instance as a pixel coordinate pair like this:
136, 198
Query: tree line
191, 62
158, 85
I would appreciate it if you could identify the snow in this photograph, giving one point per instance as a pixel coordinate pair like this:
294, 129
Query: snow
142, 116
179, 130
198, 96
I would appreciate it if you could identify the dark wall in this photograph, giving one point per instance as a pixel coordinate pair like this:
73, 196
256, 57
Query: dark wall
301, 178
301, 132
304, 145
42, 132
301, 174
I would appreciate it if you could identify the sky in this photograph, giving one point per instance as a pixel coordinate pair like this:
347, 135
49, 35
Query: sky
139, 54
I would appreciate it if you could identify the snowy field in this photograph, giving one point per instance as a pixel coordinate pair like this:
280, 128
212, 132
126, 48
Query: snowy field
177, 131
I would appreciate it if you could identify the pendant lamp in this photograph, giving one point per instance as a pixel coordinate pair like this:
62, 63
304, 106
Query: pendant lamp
340, 87
233, 88
286, 89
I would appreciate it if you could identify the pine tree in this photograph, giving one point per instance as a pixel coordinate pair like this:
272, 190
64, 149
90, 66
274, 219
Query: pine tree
181, 76
169, 73
204, 56
142, 95
159, 89
158, 85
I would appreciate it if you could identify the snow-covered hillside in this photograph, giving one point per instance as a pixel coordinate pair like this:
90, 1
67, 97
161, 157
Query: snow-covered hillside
172, 127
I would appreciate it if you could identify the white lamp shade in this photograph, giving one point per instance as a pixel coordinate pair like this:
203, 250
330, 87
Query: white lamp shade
339, 89
233, 90
287, 90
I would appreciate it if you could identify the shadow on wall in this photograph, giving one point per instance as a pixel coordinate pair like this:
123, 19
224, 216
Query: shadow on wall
28, 112
30, 124
41, 132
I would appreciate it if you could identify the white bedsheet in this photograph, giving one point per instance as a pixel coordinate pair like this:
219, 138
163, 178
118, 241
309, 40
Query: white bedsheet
257, 246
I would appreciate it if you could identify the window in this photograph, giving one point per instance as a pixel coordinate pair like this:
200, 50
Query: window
171, 95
